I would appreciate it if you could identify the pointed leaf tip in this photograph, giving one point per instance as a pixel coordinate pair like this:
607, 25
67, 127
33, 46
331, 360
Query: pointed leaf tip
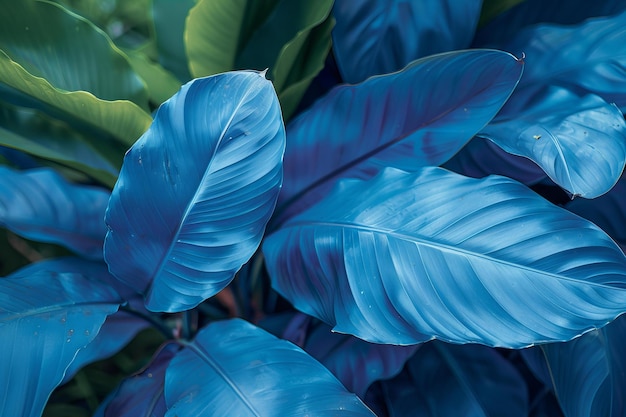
196, 190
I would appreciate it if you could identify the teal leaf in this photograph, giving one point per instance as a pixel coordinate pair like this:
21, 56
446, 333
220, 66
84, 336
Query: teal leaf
196, 190
407, 257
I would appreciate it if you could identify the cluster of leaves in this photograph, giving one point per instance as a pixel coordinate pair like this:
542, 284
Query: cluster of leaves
436, 231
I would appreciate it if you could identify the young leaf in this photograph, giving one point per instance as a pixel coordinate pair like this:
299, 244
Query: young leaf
580, 142
419, 116
406, 257
589, 373
141, 395
382, 36
235, 368
196, 190
45, 319
445, 380
41, 205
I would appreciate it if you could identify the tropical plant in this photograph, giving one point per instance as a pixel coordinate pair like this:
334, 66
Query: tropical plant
312, 208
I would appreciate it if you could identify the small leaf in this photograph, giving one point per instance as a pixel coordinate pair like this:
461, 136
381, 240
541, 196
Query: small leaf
419, 116
444, 380
580, 142
41, 205
382, 36
148, 383
235, 368
45, 319
196, 190
407, 257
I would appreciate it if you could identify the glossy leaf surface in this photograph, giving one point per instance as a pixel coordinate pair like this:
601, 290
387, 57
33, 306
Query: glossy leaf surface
195, 191
41, 205
355, 362
406, 257
142, 394
580, 142
447, 380
586, 58
45, 319
420, 116
382, 36
235, 368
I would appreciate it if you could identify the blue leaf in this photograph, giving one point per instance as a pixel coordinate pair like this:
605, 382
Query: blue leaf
505, 26
420, 116
406, 257
444, 380
588, 58
41, 205
196, 190
382, 36
481, 157
142, 394
45, 319
607, 211
117, 330
589, 373
236, 369
580, 142
355, 362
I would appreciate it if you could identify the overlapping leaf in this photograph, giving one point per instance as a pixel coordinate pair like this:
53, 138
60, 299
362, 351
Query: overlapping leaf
406, 257
447, 380
420, 116
195, 191
382, 36
235, 368
580, 142
169, 18
45, 319
41, 205
64, 65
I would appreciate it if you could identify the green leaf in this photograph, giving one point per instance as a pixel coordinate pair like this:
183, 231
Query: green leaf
279, 35
161, 83
55, 57
40, 136
169, 26
492, 8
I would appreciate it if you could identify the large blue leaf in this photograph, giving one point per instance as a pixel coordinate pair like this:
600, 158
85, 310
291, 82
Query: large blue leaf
45, 319
196, 190
142, 394
117, 330
406, 257
505, 26
589, 373
236, 369
580, 142
444, 380
355, 362
420, 116
41, 205
587, 58
381, 36
481, 157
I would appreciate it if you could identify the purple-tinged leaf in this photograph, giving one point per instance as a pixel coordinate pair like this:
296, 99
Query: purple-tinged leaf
45, 319
481, 157
580, 142
505, 26
407, 257
355, 362
196, 190
419, 116
373, 37
607, 211
236, 369
142, 394
444, 380
587, 59
589, 373
41, 205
